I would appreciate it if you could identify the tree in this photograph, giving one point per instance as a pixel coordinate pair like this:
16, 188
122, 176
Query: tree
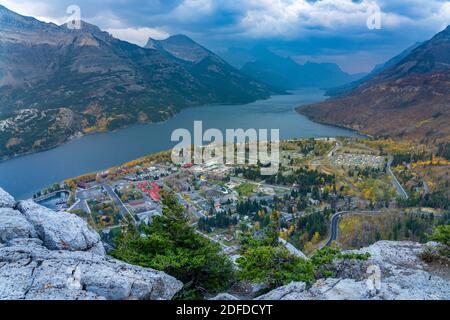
316, 238
171, 245
273, 229
274, 266
442, 235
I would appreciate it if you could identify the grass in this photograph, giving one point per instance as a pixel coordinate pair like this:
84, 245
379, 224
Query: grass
245, 189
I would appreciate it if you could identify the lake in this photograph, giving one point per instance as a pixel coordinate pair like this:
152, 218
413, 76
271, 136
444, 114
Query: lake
25, 175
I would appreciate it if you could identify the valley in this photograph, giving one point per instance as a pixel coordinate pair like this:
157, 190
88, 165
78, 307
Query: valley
295, 150
105, 83
322, 200
407, 100
25, 175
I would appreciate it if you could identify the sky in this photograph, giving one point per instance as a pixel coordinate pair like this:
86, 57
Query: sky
356, 34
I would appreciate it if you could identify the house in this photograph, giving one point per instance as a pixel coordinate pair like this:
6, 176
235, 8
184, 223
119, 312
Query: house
86, 184
147, 217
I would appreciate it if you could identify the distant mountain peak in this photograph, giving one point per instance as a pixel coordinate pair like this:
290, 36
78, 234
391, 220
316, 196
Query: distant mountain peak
443, 34
152, 44
11, 20
3, 9
181, 47
409, 99
84, 26
182, 38
103, 81
284, 72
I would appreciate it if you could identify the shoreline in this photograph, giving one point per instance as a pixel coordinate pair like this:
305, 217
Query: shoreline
336, 125
79, 134
34, 166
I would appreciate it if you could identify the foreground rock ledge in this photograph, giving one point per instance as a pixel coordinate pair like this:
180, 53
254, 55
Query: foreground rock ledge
404, 276
47, 255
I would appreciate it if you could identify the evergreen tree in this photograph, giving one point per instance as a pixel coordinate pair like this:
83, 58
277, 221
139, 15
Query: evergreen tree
171, 245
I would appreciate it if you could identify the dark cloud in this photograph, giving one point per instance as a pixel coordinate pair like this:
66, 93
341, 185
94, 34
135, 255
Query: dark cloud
294, 27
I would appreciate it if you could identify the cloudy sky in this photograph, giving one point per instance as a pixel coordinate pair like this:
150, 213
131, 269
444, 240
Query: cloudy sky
318, 30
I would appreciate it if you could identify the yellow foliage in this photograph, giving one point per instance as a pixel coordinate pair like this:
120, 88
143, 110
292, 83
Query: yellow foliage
435, 161
316, 238
308, 247
291, 229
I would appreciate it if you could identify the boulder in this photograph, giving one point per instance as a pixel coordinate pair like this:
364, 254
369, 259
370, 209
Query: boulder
6, 200
224, 297
61, 230
394, 271
30, 271
47, 255
293, 291
14, 225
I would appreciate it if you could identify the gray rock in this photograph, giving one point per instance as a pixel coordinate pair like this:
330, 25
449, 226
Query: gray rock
61, 230
13, 225
293, 250
395, 271
224, 297
338, 289
6, 200
247, 290
31, 271
293, 291
47, 255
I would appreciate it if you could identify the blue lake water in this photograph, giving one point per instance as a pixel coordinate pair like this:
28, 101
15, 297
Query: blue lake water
25, 175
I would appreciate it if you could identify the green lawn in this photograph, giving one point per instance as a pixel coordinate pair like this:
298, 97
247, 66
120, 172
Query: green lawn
246, 189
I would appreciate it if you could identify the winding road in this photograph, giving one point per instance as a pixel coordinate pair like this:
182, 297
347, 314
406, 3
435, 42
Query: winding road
400, 190
335, 227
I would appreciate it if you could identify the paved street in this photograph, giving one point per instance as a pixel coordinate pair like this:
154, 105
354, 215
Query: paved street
400, 191
123, 210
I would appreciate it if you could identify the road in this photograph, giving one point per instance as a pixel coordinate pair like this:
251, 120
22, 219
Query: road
334, 227
260, 184
426, 188
122, 209
82, 202
400, 190
334, 150
49, 195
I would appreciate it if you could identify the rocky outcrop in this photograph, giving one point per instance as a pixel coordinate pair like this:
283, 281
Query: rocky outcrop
47, 255
6, 200
61, 230
14, 225
395, 271
224, 297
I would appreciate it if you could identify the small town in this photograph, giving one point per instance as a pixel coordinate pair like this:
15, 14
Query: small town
225, 156
319, 181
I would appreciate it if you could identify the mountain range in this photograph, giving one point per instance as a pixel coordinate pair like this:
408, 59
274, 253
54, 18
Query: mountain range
284, 72
66, 81
346, 88
408, 99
